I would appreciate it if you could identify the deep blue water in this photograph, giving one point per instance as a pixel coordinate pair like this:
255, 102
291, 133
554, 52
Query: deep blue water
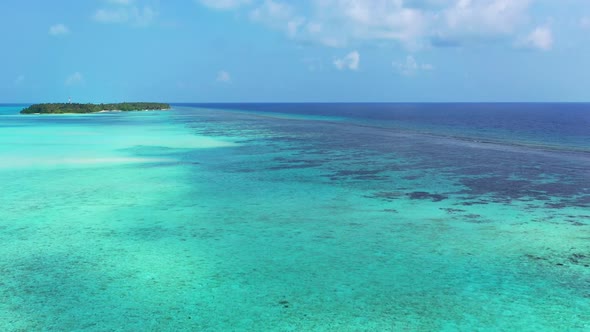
556, 125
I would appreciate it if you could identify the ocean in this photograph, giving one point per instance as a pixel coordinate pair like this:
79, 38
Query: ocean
297, 217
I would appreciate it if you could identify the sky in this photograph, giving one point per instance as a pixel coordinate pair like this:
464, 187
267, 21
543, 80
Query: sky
295, 51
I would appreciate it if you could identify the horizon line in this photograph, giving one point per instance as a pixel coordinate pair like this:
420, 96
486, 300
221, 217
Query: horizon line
312, 102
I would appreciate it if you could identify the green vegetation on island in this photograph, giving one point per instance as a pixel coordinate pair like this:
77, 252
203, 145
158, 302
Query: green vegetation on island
61, 108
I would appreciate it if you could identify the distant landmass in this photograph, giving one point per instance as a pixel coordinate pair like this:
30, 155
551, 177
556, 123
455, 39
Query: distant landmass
61, 108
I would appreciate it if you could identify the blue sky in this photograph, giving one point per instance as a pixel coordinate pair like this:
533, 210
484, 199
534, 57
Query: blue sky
295, 51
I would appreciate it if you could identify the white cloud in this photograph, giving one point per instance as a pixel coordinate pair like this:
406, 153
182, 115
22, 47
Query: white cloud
137, 16
20, 79
224, 4
58, 30
414, 23
223, 77
285, 17
74, 79
484, 17
350, 20
278, 15
541, 39
411, 23
350, 61
411, 66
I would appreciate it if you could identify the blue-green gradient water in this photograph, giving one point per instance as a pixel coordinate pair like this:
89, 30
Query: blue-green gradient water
297, 217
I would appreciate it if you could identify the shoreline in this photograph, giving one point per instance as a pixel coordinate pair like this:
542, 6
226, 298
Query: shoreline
121, 111
103, 111
76, 108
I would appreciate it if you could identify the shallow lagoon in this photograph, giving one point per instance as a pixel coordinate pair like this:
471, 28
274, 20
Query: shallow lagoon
208, 219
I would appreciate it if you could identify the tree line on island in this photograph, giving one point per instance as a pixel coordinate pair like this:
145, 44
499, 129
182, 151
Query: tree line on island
61, 108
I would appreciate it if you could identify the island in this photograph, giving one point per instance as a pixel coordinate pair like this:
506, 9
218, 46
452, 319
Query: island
61, 108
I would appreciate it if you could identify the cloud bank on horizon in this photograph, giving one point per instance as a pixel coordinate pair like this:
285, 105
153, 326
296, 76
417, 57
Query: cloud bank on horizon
324, 50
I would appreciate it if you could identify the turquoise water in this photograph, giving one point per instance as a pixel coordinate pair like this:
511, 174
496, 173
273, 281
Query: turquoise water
213, 220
